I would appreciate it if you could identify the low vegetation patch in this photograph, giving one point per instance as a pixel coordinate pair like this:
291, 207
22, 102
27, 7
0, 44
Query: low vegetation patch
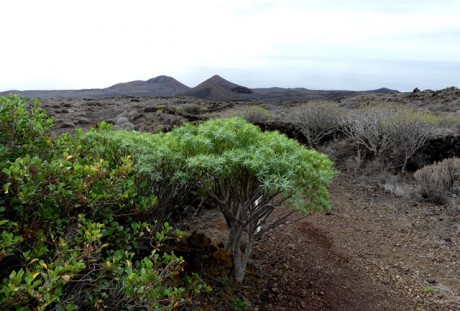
317, 121
253, 114
390, 133
77, 227
83, 217
247, 173
440, 182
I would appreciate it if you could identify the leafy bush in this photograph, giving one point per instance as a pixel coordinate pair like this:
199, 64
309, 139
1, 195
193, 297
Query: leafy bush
440, 181
71, 224
317, 121
23, 128
85, 272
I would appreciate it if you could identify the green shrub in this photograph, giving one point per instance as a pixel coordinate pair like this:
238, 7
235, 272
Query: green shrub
252, 114
246, 172
69, 183
159, 167
24, 128
86, 272
72, 235
440, 181
238, 304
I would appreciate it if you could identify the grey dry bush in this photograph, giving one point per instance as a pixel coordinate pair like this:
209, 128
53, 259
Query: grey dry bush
317, 120
395, 184
440, 182
390, 133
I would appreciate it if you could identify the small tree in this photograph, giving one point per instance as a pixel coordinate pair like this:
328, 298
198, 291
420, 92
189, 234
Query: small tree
317, 120
249, 174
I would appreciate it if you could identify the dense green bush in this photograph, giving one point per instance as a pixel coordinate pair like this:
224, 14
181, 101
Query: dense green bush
77, 226
23, 129
159, 165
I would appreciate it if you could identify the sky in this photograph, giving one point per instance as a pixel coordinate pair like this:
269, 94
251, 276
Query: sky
315, 44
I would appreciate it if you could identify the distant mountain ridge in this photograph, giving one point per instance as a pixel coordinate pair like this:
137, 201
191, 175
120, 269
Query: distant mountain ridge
215, 88
162, 86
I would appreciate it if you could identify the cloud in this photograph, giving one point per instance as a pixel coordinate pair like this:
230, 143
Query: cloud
86, 43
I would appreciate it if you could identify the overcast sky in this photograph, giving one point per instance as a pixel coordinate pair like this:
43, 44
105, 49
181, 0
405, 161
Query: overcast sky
316, 44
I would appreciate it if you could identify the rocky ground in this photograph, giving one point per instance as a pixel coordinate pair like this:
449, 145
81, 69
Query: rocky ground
374, 251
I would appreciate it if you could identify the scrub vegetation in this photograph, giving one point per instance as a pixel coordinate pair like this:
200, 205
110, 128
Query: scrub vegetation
84, 215
77, 226
90, 218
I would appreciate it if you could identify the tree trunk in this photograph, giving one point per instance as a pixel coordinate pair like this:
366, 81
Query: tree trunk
234, 245
239, 274
231, 238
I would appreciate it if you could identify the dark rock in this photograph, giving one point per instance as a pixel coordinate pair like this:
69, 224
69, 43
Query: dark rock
431, 281
83, 121
441, 148
64, 125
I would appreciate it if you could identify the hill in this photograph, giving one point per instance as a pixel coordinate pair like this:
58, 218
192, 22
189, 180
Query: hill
384, 90
217, 88
159, 86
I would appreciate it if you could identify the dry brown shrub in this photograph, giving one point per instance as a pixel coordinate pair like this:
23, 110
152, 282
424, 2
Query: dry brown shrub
317, 121
440, 182
395, 184
390, 132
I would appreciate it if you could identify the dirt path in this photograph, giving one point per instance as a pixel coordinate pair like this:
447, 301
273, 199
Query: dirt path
373, 252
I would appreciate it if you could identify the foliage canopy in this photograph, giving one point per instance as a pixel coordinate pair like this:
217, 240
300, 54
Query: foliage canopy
76, 228
246, 172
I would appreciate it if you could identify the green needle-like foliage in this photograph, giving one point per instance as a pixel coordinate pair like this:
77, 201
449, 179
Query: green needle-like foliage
247, 172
